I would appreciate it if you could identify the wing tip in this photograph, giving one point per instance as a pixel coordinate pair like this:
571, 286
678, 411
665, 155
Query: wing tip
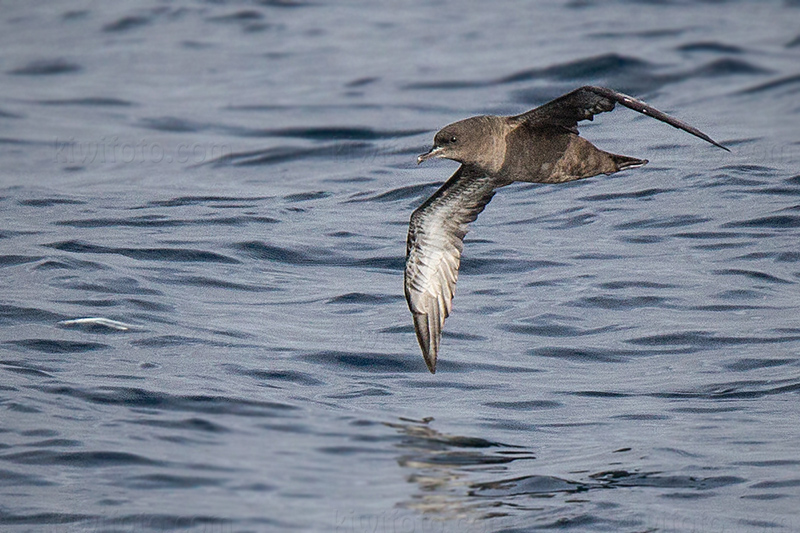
428, 336
700, 135
431, 364
709, 140
718, 145
626, 100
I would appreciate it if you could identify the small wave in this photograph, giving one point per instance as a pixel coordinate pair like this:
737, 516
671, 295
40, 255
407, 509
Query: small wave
306, 196
364, 361
249, 20
726, 308
593, 67
588, 69
50, 202
207, 282
676, 221
89, 101
711, 47
536, 485
68, 263
163, 221
126, 23
91, 459
526, 405
362, 82
10, 314
708, 235
43, 518
335, 134
275, 377
9, 478
579, 355
192, 424
238, 16
172, 125
284, 3
285, 154
170, 481
620, 285
173, 522
750, 389
752, 274
400, 193
754, 363
182, 201
13, 260
774, 222
57, 346
366, 299
46, 67
162, 341
546, 329
726, 67
791, 82
645, 193
703, 340
621, 303
8, 114
198, 403
26, 369
622, 478
145, 254
656, 33
446, 85
268, 252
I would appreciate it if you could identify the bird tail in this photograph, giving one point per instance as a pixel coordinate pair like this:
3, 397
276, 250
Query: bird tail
623, 161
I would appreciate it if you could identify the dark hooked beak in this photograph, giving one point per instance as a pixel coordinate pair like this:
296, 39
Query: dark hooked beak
436, 151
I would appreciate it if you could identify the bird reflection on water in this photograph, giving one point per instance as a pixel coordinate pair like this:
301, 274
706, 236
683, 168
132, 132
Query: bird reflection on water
443, 467
461, 479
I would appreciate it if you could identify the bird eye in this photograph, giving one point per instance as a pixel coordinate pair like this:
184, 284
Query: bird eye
453, 139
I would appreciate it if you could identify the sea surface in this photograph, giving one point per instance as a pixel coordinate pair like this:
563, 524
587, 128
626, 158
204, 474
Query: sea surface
203, 213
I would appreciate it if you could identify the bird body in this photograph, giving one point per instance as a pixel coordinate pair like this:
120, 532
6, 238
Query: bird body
540, 146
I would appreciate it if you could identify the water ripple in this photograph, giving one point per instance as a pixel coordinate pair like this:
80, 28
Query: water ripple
92, 459
275, 377
57, 346
706, 340
285, 154
364, 361
162, 221
46, 67
774, 221
197, 403
144, 254
399, 193
126, 23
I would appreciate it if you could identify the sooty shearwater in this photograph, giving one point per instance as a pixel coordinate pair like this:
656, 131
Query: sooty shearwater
540, 146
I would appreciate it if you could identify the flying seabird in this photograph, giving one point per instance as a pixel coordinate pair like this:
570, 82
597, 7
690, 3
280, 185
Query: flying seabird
540, 146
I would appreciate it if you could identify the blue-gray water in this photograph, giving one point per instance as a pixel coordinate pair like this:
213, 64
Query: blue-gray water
232, 180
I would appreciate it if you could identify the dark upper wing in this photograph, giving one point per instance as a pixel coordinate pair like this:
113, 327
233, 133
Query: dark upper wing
433, 254
584, 103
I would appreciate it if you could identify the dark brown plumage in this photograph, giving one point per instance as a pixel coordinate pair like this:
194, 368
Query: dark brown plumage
539, 146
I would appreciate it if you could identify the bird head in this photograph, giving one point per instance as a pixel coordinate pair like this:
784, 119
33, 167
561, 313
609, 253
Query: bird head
466, 141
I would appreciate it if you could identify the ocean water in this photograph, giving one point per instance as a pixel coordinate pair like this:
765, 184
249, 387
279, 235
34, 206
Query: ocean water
203, 211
